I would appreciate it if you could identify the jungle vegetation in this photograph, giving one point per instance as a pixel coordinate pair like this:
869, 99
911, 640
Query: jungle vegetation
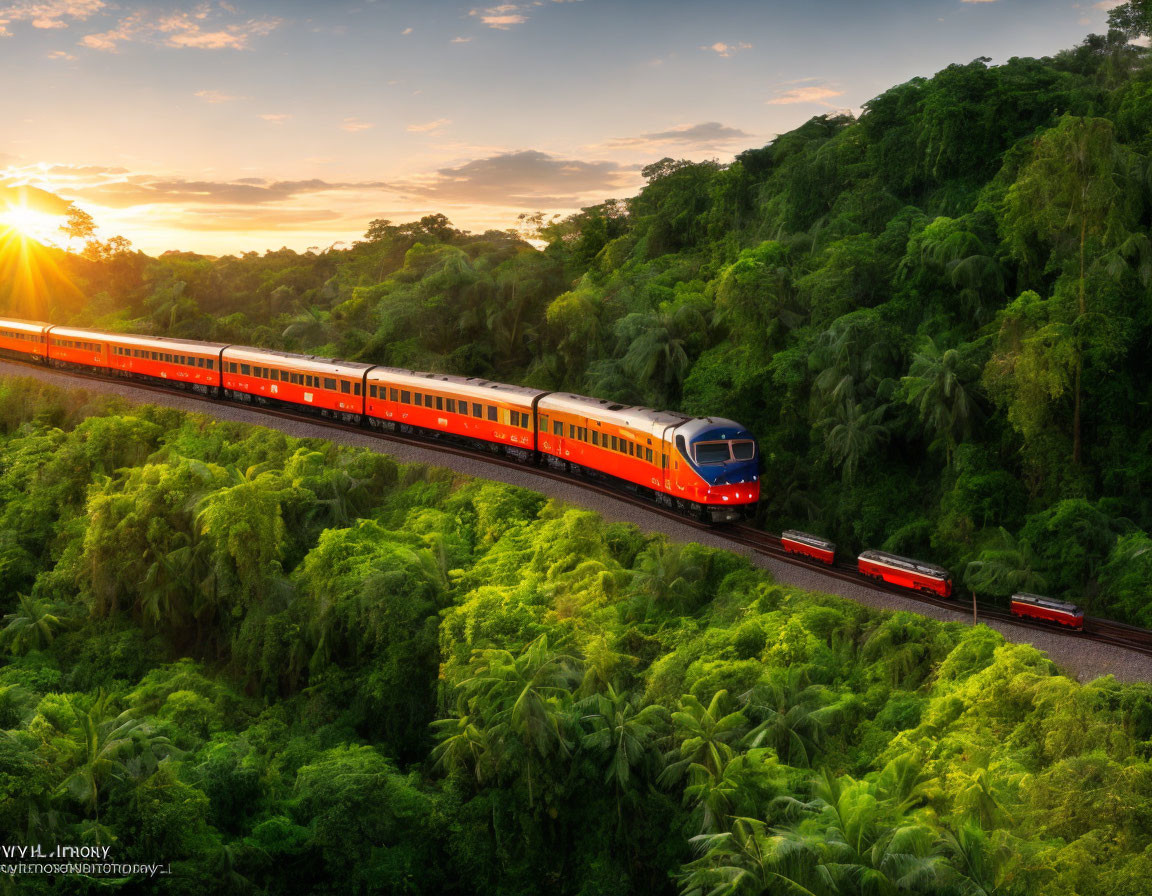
284, 666
936, 318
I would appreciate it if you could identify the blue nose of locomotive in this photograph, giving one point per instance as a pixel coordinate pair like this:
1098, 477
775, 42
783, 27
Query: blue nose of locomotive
722, 452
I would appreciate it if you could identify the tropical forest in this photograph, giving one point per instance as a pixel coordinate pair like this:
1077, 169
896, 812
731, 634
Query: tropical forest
284, 665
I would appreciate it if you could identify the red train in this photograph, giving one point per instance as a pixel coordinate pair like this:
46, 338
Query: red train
905, 572
707, 467
806, 545
1033, 606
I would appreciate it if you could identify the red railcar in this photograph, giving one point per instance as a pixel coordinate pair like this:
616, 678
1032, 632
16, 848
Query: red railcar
820, 549
905, 572
1035, 606
24, 339
323, 386
73, 347
467, 409
183, 362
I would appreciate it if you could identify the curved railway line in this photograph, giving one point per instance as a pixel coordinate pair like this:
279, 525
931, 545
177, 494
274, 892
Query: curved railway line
1103, 631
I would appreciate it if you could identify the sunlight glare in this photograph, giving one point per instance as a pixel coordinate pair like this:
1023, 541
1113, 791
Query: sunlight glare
28, 222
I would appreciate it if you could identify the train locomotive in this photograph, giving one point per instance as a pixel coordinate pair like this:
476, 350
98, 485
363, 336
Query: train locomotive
706, 468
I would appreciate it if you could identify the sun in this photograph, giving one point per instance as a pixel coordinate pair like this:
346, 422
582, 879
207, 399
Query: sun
30, 223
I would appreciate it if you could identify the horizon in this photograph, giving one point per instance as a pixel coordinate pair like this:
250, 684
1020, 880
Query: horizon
467, 110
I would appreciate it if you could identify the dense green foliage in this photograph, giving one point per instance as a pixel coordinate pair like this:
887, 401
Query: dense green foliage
287, 667
936, 318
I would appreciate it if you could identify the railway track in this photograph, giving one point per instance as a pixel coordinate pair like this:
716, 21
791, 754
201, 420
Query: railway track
1104, 631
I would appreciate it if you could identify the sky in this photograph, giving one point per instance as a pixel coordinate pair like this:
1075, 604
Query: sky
223, 127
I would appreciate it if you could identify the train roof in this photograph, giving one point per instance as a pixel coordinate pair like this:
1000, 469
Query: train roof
471, 386
160, 341
697, 426
301, 362
648, 420
133, 339
17, 324
895, 560
1050, 603
804, 538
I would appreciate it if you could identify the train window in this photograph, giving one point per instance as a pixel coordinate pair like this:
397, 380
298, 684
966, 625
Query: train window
477, 410
246, 369
372, 391
514, 418
211, 364
571, 430
462, 403
418, 399
648, 455
393, 395
663, 460
544, 423
712, 452
451, 405
523, 421
345, 387
231, 366
330, 384
278, 375
405, 396
744, 450
557, 428
258, 372
439, 402
356, 389
614, 448
595, 437
492, 412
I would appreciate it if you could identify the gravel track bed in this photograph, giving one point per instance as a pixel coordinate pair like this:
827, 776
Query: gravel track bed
1079, 658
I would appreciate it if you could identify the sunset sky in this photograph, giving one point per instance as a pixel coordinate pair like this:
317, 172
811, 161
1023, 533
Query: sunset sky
230, 126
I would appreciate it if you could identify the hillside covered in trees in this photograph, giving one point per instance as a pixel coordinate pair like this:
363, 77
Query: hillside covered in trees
287, 667
936, 318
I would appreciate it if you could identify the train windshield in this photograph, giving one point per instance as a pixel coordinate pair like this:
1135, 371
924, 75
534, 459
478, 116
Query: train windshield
722, 452
744, 450
712, 452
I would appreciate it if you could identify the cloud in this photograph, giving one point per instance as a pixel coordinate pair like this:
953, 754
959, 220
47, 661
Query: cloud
726, 50
182, 30
353, 125
501, 17
525, 178
61, 54
461, 40
406, 32
276, 117
813, 94
47, 14
33, 197
708, 133
216, 96
429, 127
136, 190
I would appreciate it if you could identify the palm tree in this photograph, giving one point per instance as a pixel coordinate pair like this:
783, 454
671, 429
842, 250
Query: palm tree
32, 626
669, 574
937, 388
979, 860
659, 357
793, 715
851, 433
1008, 566
107, 747
522, 699
705, 735
624, 732
310, 327
864, 852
